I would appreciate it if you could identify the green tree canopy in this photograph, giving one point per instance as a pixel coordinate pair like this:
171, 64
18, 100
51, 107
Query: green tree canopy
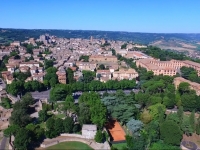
172, 135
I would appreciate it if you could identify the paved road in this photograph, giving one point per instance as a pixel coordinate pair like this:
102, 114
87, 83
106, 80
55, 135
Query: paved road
3, 143
41, 95
2, 83
45, 94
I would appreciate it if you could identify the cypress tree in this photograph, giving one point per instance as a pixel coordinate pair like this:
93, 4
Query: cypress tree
192, 121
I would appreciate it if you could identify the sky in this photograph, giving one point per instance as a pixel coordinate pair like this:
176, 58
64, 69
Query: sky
153, 16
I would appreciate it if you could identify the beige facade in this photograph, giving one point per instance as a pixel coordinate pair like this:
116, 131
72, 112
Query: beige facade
104, 74
15, 43
193, 85
125, 74
62, 77
100, 58
91, 66
169, 68
30, 64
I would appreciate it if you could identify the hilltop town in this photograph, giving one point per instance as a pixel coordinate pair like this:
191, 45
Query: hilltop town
96, 91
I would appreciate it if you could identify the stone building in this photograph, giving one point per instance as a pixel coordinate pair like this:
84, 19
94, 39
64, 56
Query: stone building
62, 77
89, 131
101, 58
125, 74
193, 85
169, 68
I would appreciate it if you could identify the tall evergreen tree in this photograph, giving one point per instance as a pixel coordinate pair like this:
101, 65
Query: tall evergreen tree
192, 120
180, 113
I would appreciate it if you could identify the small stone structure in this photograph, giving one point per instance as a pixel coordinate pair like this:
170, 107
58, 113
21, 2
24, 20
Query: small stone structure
89, 131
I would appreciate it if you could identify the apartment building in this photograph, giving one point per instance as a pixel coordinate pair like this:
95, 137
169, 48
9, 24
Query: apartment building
30, 64
38, 77
166, 67
125, 74
193, 85
91, 66
103, 73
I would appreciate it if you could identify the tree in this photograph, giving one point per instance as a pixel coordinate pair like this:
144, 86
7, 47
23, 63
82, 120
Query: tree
135, 126
27, 99
15, 87
198, 126
68, 124
101, 67
28, 86
171, 136
98, 114
59, 128
11, 130
70, 76
189, 101
50, 125
180, 113
154, 111
91, 109
36, 132
187, 71
43, 116
192, 120
124, 46
139, 143
169, 103
123, 112
84, 58
6, 103
174, 117
88, 76
84, 114
58, 94
20, 118
53, 82
22, 139
153, 131
113, 52
76, 128
162, 146
48, 63
186, 126
99, 136
145, 117
183, 88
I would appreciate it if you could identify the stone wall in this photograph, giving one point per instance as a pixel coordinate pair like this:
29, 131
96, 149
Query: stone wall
72, 135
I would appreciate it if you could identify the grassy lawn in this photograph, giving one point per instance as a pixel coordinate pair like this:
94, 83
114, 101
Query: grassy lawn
119, 145
70, 146
60, 116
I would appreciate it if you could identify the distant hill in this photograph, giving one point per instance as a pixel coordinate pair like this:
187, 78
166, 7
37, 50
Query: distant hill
163, 40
